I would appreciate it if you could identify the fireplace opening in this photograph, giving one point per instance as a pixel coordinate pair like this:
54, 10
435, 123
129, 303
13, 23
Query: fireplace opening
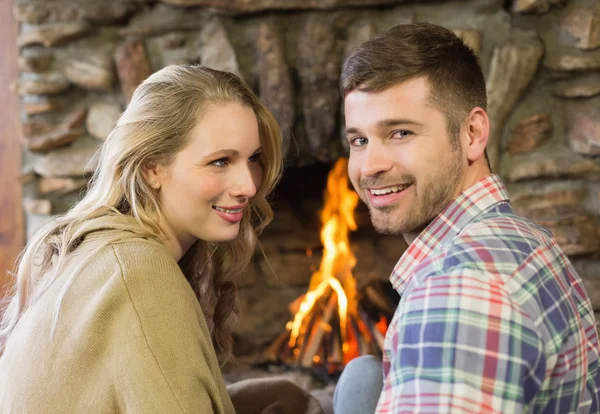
327, 297
330, 325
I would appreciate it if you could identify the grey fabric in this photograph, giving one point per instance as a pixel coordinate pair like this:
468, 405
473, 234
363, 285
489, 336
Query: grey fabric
359, 387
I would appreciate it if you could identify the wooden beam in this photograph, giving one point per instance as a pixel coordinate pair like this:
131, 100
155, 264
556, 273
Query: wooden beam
11, 216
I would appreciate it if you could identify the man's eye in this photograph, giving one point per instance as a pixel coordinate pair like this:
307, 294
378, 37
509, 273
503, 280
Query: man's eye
221, 162
359, 141
403, 133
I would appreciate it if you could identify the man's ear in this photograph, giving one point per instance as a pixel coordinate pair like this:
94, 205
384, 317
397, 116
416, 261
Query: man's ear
477, 130
154, 174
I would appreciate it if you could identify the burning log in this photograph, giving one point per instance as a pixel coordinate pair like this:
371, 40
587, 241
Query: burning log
316, 338
272, 352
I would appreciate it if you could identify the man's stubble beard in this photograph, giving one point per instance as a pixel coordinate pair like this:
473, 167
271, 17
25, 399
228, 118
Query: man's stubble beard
436, 195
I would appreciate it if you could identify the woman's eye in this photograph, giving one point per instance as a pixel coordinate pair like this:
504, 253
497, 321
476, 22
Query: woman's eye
359, 142
401, 134
221, 162
255, 157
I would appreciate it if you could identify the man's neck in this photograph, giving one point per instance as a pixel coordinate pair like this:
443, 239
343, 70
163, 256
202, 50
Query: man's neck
473, 175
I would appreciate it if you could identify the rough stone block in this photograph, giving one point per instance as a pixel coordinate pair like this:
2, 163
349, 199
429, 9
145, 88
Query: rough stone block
89, 75
530, 133
37, 206
275, 83
245, 6
102, 118
34, 104
50, 83
583, 126
533, 6
558, 163
52, 34
35, 60
573, 62
582, 21
318, 62
583, 87
60, 186
44, 11
132, 66
72, 161
44, 136
513, 65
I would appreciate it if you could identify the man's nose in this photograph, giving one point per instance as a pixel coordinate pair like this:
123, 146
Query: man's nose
377, 160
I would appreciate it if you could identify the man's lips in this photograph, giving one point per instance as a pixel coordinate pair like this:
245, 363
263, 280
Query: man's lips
385, 196
387, 189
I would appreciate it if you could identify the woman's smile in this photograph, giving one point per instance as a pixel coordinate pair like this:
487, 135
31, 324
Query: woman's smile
232, 214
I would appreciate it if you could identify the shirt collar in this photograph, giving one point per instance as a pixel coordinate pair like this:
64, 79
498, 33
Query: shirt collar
454, 217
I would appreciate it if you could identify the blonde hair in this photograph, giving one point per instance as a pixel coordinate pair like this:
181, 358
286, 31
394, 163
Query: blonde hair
153, 128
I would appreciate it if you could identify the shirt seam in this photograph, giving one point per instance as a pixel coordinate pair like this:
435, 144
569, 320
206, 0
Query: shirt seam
143, 330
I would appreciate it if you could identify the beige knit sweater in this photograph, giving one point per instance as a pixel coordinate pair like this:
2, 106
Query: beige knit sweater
130, 337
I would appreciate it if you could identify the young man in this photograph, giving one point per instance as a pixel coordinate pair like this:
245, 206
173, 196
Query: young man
493, 317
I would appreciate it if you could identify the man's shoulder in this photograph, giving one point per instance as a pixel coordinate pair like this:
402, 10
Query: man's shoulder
498, 240
502, 228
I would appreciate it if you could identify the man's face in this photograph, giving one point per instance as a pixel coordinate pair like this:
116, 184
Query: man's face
403, 163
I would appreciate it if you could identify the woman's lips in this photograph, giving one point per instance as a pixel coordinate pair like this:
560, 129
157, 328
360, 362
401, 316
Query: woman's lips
232, 214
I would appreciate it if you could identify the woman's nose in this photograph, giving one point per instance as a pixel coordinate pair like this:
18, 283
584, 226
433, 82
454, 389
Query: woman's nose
245, 184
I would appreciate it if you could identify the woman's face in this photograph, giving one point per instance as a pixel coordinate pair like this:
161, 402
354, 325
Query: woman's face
208, 186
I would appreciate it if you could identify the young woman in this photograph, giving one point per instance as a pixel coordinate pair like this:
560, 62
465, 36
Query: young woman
125, 303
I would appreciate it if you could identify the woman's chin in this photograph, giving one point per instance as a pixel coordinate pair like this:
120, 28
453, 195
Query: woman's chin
223, 237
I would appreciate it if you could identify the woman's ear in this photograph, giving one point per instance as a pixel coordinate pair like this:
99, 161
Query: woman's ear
478, 131
154, 174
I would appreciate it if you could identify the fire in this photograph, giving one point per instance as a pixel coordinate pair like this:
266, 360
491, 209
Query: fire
334, 322
335, 271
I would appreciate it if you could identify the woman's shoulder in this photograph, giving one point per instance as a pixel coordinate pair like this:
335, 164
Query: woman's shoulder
127, 247
140, 251
143, 271
136, 258
144, 258
154, 282
140, 264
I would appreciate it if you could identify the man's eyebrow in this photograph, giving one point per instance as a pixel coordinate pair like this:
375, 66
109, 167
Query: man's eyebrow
386, 123
397, 121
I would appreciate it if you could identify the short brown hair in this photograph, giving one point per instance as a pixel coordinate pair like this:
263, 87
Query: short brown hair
409, 51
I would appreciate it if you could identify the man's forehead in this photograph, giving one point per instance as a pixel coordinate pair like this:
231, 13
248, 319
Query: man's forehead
415, 90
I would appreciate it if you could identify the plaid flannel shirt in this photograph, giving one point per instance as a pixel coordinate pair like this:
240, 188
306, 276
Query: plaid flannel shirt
493, 317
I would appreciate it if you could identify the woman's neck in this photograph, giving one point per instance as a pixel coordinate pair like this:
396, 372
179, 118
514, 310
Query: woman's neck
177, 246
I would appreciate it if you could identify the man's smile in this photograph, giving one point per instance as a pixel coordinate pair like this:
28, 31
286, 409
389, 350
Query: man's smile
388, 190
385, 196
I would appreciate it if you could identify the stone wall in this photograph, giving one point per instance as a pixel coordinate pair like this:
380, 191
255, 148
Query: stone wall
80, 61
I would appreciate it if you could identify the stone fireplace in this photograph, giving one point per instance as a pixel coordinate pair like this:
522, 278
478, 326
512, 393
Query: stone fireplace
80, 61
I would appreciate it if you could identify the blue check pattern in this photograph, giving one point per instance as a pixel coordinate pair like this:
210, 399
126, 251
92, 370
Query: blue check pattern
493, 317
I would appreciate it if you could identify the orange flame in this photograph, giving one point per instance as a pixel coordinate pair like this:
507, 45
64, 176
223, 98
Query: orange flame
335, 271
382, 325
